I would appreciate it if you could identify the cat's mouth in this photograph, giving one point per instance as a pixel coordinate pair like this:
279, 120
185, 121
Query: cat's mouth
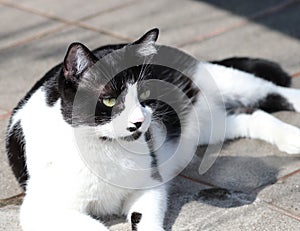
128, 138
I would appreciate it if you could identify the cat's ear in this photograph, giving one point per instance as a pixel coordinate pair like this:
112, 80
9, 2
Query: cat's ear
149, 37
77, 60
147, 42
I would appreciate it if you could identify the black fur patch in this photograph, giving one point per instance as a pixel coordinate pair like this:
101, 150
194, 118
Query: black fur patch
135, 219
167, 103
271, 103
15, 146
275, 102
105, 138
132, 137
155, 173
261, 68
129, 138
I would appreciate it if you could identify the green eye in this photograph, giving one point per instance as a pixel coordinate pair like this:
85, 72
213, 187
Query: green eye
110, 102
145, 95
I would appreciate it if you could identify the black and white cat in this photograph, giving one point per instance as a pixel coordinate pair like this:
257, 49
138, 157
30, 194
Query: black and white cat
85, 142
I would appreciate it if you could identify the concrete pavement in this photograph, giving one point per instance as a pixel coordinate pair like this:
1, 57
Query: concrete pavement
252, 185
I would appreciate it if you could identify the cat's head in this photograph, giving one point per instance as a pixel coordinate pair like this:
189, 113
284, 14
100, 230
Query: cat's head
115, 91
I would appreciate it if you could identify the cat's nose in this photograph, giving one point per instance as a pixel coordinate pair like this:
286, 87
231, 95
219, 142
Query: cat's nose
135, 119
137, 125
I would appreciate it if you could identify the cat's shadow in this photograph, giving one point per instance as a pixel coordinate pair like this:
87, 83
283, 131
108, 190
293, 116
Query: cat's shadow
236, 181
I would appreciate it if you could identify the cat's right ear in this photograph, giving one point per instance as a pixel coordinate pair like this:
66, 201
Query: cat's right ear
146, 44
77, 60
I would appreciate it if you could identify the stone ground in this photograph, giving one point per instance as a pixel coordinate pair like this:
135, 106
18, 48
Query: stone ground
252, 185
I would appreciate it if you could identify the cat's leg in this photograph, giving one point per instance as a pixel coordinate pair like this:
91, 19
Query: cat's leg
37, 215
146, 209
261, 125
249, 99
241, 89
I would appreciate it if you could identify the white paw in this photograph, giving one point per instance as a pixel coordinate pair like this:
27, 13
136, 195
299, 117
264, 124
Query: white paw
289, 140
293, 97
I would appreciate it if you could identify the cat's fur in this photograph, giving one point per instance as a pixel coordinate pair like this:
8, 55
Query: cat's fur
75, 165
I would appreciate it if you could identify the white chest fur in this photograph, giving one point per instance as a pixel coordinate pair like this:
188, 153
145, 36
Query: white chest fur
79, 169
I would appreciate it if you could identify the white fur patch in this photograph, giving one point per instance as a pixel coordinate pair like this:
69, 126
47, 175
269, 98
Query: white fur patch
82, 62
147, 48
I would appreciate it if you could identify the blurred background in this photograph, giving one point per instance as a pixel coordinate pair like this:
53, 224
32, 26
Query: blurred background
262, 184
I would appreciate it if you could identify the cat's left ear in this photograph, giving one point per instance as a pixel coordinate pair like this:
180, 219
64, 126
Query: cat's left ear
77, 60
147, 42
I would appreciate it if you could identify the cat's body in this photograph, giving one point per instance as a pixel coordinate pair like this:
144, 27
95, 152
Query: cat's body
118, 161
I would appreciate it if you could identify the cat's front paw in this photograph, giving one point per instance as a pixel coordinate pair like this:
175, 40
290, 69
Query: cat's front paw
289, 140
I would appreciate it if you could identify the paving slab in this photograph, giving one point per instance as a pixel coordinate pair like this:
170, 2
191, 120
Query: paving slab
72, 10
283, 21
8, 186
181, 192
243, 8
284, 194
296, 82
190, 19
3, 113
22, 66
253, 11
9, 218
245, 169
181, 21
256, 40
195, 216
19, 28
191, 209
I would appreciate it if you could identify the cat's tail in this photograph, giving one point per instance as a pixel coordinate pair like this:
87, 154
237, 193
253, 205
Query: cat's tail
262, 68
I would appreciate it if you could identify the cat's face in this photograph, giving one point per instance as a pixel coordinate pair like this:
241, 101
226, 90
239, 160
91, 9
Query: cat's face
115, 106
126, 113
123, 104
